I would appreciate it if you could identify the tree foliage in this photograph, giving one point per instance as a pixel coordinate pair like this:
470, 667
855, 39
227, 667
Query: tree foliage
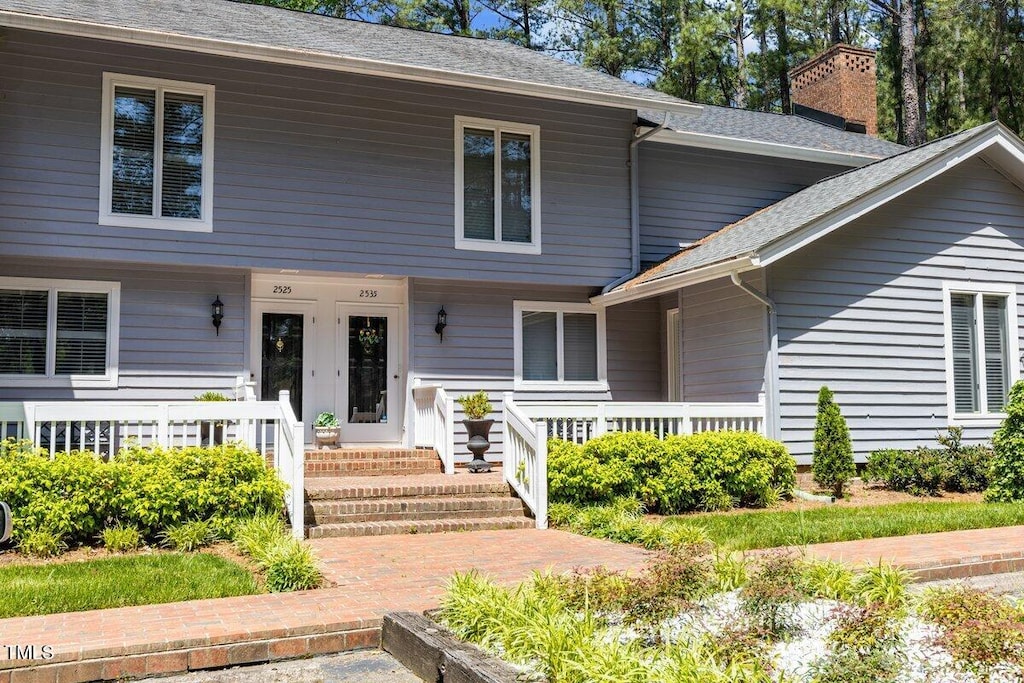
833, 455
943, 64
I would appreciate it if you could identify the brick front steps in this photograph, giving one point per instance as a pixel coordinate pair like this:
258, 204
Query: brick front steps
340, 462
409, 504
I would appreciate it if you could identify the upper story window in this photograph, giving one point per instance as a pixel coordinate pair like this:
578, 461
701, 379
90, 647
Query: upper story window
981, 349
157, 154
559, 346
497, 186
58, 332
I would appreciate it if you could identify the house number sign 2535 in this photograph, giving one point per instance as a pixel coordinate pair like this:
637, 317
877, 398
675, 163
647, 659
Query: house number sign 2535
282, 289
367, 293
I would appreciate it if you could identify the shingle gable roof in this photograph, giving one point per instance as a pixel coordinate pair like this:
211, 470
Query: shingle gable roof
780, 129
752, 234
257, 26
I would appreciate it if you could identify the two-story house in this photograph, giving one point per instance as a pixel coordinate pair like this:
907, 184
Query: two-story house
199, 192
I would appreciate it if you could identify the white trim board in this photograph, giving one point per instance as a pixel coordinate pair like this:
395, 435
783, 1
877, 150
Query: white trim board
321, 60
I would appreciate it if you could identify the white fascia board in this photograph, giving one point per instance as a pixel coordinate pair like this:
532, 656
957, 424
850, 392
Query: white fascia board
894, 189
769, 149
320, 60
671, 283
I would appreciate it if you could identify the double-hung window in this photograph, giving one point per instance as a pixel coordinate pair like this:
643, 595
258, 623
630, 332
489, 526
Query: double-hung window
497, 186
981, 348
157, 154
58, 332
559, 346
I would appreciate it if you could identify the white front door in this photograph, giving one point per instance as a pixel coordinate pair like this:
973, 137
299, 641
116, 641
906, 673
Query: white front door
369, 373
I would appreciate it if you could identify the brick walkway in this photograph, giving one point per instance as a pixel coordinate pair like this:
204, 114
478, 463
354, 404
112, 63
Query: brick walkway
948, 555
374, 575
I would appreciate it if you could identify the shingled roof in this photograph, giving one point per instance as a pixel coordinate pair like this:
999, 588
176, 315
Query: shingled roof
262, 32
750, 236
777, 129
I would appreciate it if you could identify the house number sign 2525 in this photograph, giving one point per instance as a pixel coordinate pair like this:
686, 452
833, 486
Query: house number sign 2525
282, 289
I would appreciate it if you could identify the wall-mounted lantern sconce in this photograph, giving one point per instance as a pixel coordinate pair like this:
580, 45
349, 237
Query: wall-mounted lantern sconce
442, 322
218, 313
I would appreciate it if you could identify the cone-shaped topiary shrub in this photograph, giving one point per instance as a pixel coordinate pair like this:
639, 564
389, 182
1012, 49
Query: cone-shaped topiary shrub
1008, 443
833, 455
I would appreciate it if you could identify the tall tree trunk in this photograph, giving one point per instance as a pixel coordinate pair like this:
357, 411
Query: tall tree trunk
913, 131
996, 77
527, 37
739, 96
835, 13
782, 34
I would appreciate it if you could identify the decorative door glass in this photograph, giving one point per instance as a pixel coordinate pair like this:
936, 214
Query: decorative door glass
282, 358
367, 369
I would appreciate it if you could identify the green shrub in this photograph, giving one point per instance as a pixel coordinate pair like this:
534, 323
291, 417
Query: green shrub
977, 626
476, 406
254, 536
832, 463
290, 566
707, 471
926, 471
41, 543
189, 536
76, 495
121, 539
1008, 443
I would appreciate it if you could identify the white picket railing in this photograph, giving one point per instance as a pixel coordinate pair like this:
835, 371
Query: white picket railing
435, 422
580, 421
525, 459
103, 427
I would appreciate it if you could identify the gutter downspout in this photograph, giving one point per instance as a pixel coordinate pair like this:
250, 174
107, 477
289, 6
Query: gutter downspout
771, 374
634, 205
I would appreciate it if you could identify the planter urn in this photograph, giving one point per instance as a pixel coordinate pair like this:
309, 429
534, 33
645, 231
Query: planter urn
478, 431
327, 437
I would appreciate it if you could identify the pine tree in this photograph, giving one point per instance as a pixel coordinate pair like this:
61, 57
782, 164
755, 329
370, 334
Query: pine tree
833, 455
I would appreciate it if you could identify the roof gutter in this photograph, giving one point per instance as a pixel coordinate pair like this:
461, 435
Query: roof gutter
634, 205
771, 149
322, 60
671, 283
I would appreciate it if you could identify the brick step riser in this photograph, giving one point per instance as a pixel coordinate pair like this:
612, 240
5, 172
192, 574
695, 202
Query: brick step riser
415, 454
370, 468
340, 515
424, 527
437, 504
364, 493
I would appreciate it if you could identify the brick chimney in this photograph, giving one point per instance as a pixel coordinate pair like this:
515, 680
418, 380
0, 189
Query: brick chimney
841, 82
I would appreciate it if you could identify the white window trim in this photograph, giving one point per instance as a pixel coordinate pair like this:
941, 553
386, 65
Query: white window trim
50, 379
462, 242
983, 418
560, 385
106, 217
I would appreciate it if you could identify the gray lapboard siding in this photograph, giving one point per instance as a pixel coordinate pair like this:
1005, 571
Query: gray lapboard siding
168, 346
861, 309
314, 170
687, 193
724, 346
477, 351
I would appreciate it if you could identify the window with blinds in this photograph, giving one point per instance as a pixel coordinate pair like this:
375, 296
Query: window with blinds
497, 186
53, 332
558, 346
980, 351
157, 143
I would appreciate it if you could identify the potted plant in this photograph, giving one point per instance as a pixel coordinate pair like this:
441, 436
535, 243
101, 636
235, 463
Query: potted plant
218, 427
476, 408
326, 430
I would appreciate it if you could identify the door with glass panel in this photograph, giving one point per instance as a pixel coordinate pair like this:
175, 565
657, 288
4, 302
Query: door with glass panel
284, 338
369, 374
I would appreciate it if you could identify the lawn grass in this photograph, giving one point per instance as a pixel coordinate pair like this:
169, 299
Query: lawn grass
768, 529
119, 582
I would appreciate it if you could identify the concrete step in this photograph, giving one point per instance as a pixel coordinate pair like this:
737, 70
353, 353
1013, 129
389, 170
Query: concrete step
428, 485
401, 509
388, 528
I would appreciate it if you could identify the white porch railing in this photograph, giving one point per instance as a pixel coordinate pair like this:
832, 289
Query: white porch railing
525, 459
105, 426
580, 421
435, 422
